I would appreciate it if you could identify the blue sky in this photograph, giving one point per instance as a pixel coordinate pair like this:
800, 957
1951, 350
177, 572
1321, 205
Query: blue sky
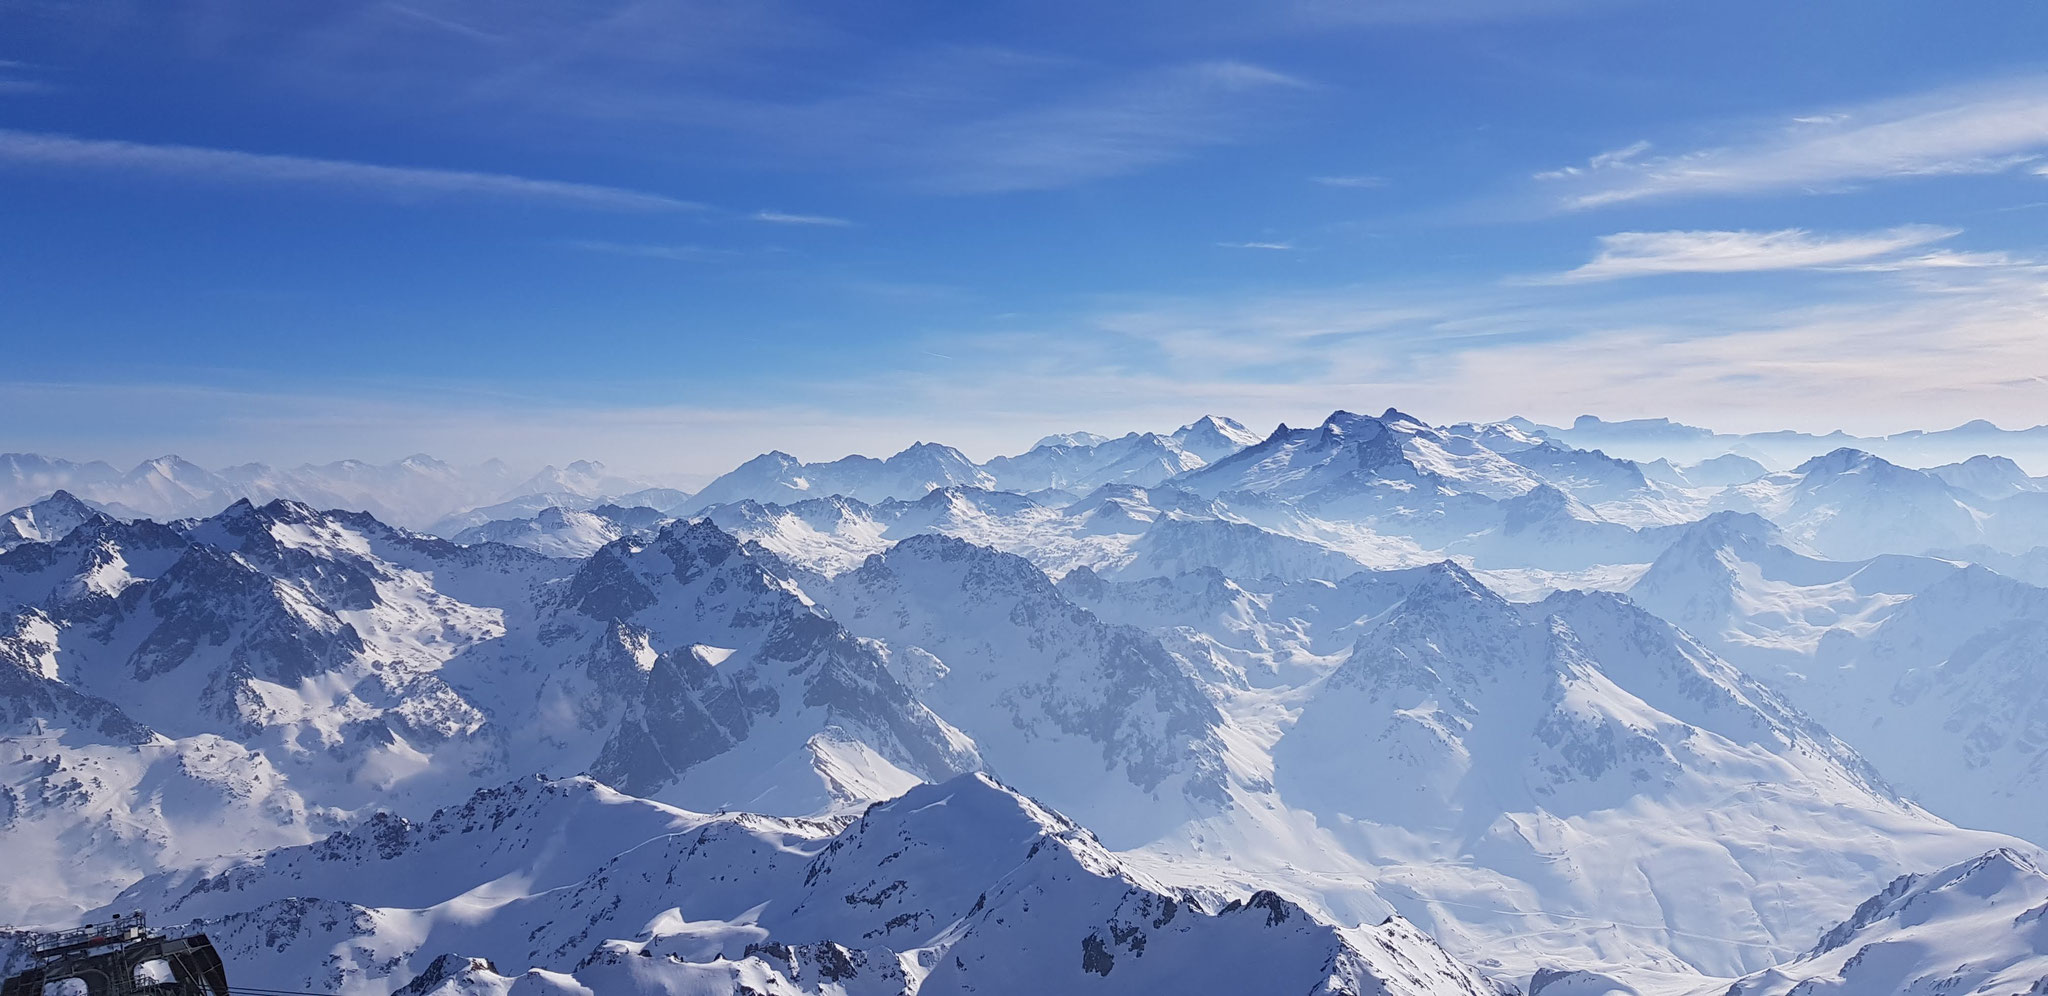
669, 235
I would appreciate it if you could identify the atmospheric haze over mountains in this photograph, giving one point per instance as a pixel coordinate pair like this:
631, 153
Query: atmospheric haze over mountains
1370, 706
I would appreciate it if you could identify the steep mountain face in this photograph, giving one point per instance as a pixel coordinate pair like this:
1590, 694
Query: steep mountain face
1045, 688
707, 675
45, 521
961, 886
1850, 505
1973, 927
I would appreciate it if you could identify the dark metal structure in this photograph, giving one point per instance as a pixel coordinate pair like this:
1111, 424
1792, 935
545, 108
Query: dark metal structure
122, 957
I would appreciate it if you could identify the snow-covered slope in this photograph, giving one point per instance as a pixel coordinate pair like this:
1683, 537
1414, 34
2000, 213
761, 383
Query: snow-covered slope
45, 521
961, 886
1092, 716
1979, 926
1584, 763
1928, 667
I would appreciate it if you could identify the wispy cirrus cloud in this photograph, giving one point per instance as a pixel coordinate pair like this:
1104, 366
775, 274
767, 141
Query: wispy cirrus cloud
786, 218
1138, 122
1639, 254
1992, 128
1270, 246
980, 115
200, 163
647, 250
1359, 181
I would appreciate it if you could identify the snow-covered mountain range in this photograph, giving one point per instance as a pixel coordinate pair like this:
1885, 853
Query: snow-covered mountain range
1371, 706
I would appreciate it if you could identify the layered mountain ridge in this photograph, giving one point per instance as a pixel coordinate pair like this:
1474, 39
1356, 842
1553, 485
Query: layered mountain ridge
1370, 706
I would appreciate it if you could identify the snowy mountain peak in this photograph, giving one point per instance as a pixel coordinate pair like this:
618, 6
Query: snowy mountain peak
1988, 476
1843, 460
1213, 437
45, 521
1343, 423
169, 465
1545, 501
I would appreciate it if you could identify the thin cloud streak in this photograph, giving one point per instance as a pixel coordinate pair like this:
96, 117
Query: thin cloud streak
680, 254
1134, 124
785, 218
1640, 254
1988, 129
200, 163
1360, 182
